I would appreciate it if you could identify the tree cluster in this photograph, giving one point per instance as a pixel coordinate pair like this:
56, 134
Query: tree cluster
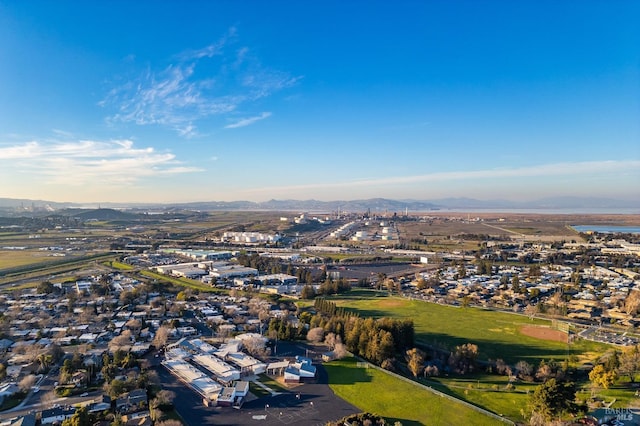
261, 263
553, 399
125, 364
284, 330
485, 267
627, 364
463, 359
70, 366
376, 340
360, 419
81, 417
338, 286
550, 370
304, 275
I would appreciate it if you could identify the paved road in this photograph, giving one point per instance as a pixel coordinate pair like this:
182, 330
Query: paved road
38, 401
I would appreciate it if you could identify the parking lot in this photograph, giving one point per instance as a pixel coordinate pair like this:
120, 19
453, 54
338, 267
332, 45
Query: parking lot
599, 334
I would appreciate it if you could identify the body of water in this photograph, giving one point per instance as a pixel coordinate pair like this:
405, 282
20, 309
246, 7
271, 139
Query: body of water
607, 229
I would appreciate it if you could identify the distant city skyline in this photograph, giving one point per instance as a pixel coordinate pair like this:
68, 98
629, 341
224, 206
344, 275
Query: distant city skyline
251, 100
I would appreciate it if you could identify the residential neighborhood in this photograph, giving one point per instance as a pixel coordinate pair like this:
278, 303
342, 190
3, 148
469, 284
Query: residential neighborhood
215, 317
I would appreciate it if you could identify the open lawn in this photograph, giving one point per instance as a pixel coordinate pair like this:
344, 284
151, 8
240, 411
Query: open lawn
397, 400
622, 394
497, 334
488, 391
63, 265
257, 390
271, 383
12, 401
119, 265
13, 258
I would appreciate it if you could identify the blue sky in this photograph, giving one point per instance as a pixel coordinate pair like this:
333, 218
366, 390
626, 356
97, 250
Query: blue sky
253, 100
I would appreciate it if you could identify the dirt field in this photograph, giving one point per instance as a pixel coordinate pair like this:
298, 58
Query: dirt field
544, 333
391, 303
525, 227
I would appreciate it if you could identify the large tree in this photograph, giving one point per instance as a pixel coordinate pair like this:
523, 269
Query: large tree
161, 337
632, 302
553, 398
630, 363
27, 382
600, 377
315, 335
415, 361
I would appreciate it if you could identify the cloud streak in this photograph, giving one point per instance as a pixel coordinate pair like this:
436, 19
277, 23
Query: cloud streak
248, 121
578, 169
200, 84
91, 162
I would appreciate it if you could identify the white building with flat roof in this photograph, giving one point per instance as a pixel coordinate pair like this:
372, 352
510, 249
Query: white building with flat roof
246, 363
207, 388
222, 371
232, 271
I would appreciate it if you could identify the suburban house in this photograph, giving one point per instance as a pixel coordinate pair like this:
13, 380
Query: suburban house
56, 415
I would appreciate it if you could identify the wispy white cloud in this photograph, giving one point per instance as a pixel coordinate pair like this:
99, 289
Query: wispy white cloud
62, 133
188, 130
200, 84
247, 121
26, 150
577, 169
210, 50
90, 162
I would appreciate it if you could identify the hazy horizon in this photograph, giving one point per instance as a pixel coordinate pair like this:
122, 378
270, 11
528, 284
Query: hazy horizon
184, 102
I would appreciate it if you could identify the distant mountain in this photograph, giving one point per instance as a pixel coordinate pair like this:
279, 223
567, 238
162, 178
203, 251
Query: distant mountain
550, 203
115, 211
373, 204
586, 202
470, 203
99, 214
29, 204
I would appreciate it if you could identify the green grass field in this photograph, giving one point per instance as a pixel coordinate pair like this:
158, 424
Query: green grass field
397, 400
497, 334
271, 383
37, 272
488, 391
120, 266
13, 258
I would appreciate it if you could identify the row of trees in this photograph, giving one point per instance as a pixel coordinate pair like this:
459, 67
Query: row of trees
261, 263
282, 329
329, 308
